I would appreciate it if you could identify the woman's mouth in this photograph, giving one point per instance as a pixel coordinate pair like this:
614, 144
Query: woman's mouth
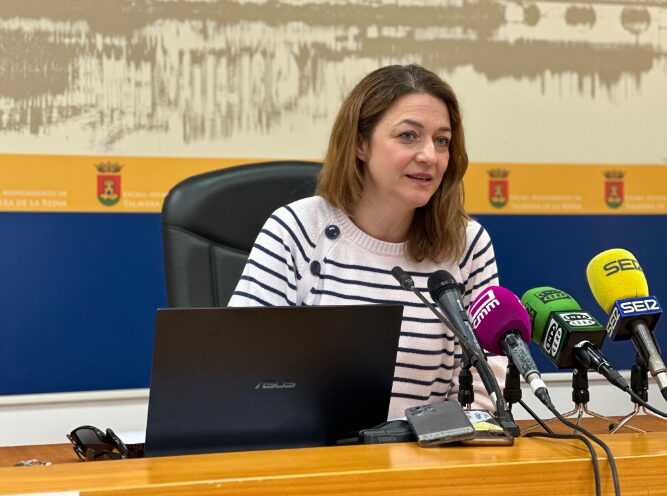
421, 178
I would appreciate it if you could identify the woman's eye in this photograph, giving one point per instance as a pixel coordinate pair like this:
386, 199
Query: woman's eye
442, 141
408, 135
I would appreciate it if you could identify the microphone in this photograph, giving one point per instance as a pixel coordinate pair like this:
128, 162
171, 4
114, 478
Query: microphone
619, 286
536, 301
569, 336
408, 284
454, 321
445, 291
503, 327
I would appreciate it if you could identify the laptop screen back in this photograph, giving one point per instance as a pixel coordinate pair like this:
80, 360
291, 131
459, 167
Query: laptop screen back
234, 379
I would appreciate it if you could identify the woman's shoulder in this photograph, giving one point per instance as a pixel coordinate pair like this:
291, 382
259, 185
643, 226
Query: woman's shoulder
305, 210
478, 242
307, 216
475, 231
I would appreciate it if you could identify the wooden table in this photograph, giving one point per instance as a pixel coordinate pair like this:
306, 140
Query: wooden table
531, 466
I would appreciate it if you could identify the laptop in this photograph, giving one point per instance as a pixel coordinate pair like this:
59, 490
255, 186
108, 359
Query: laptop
239, 379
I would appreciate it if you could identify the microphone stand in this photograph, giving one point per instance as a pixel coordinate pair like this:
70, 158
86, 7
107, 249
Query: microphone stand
639, 385
580, 396
466, 394
512, 390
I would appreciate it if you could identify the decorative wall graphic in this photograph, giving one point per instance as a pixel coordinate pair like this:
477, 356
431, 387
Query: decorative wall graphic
228, 78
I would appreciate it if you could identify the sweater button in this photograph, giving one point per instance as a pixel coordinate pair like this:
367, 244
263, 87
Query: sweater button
332, 231
315, 268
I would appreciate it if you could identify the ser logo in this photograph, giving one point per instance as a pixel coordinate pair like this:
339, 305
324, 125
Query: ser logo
275, 385
622, 264
639, 306
635, 306
552, 339
613, 320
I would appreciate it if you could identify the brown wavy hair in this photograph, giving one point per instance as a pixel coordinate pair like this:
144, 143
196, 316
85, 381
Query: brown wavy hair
437, 231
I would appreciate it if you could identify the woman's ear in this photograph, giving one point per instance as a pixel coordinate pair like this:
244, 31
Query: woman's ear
363, 149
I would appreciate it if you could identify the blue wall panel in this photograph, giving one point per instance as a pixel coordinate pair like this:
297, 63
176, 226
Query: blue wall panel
78, 292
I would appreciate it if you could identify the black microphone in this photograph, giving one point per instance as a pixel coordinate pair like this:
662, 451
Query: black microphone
446, 292
408, 284
475, 353
466, 391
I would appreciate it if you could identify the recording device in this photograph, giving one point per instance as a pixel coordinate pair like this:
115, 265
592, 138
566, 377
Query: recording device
503, 327
488, 432
619, 286
393, 431
569, 336
440, 423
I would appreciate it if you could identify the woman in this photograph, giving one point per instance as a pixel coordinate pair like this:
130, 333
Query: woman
390, 193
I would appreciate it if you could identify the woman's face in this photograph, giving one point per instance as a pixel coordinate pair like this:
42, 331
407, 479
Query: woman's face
407, 154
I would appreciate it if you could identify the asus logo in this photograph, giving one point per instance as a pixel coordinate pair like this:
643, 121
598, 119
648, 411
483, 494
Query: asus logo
622, 264
275, 385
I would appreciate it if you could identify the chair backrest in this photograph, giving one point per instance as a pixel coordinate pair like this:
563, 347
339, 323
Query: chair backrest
210, 222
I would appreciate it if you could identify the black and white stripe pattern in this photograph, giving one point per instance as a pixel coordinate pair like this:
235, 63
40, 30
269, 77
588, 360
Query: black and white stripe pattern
293, 262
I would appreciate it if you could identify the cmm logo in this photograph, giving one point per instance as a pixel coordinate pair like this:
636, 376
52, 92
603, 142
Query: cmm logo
613, 188
483, 306
499, 189
108, 183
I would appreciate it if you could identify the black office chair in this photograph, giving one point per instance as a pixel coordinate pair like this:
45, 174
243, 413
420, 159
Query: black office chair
210, 222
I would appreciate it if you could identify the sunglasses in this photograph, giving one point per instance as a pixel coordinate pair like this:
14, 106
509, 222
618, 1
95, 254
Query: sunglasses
91, 444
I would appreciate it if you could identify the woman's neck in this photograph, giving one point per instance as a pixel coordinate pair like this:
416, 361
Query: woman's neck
381, 221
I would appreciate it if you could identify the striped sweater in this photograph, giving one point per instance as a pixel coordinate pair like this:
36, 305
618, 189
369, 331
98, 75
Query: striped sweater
311, 253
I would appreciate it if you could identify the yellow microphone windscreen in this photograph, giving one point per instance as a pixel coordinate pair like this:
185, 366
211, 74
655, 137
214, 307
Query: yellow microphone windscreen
615, 275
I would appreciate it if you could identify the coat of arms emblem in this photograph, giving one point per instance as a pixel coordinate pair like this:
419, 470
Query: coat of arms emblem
613, 188
499, 191
108, 183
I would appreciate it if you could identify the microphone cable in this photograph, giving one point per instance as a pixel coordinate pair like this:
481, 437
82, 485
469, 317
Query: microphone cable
589, 445
643, 403
535, 416
549, 434
612, 462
